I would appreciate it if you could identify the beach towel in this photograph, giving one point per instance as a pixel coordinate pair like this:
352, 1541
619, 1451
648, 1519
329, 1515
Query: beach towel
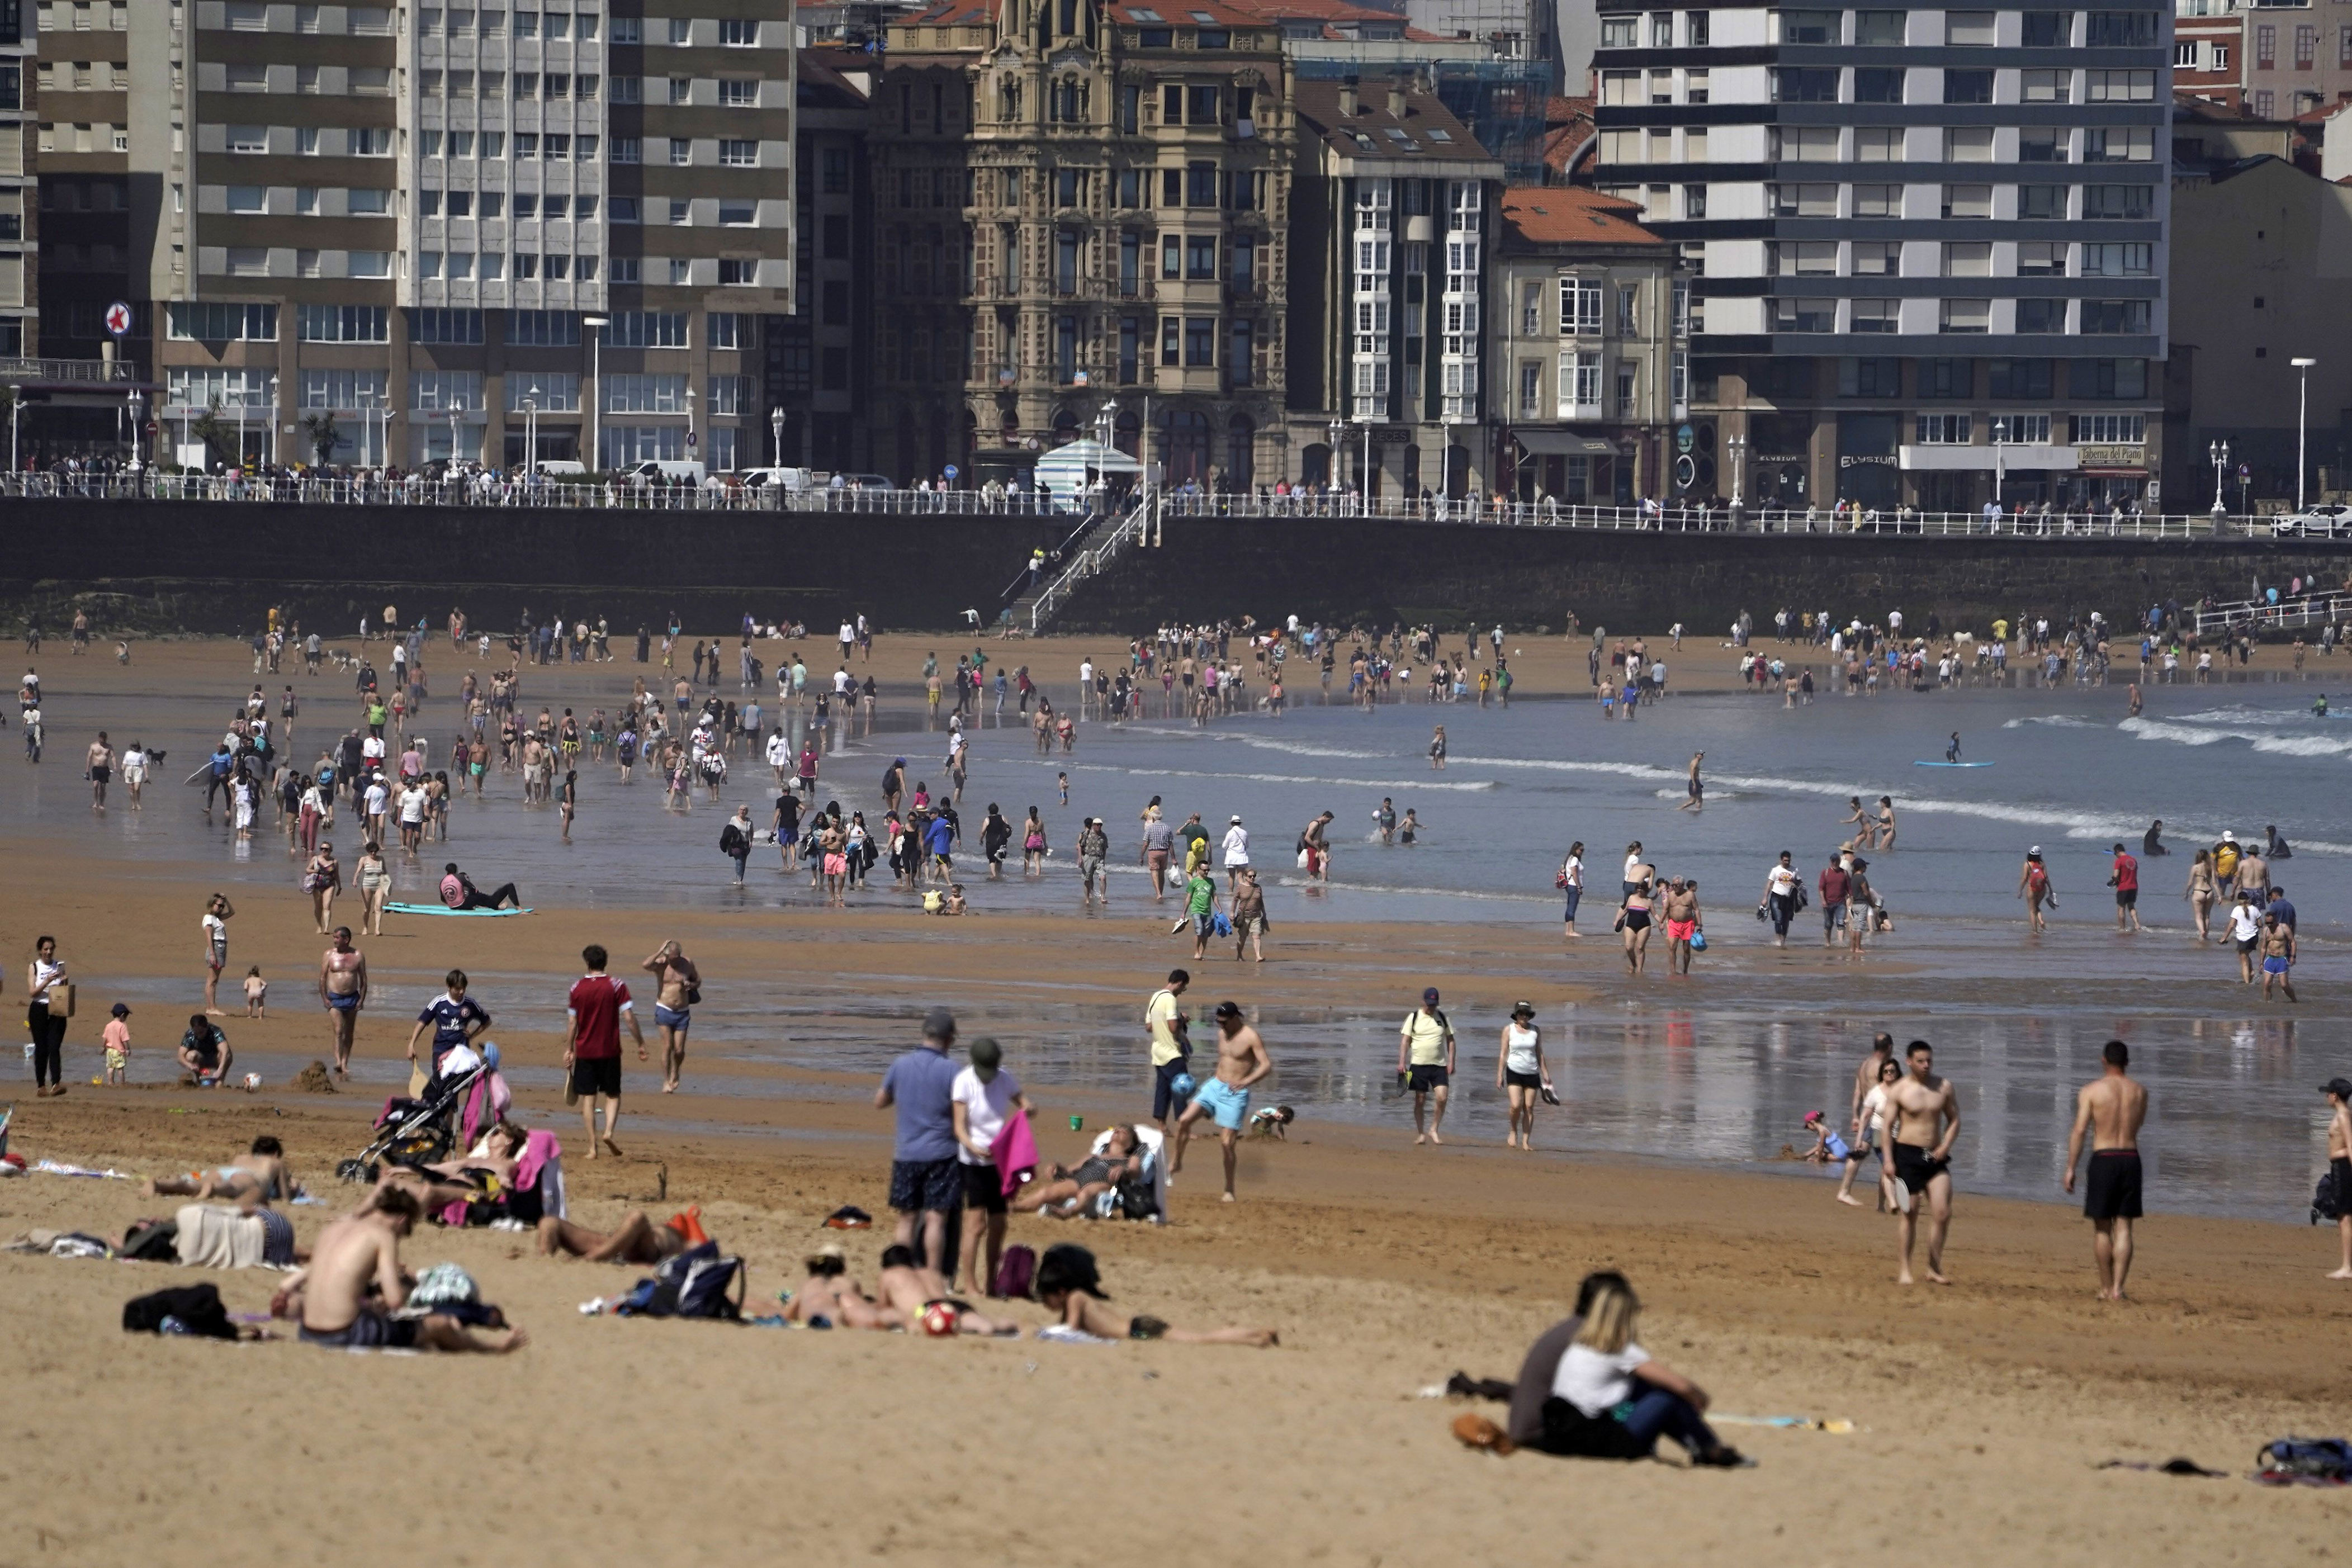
215, 1236
438, 909
487, 1102
542, 1163
1014, 1152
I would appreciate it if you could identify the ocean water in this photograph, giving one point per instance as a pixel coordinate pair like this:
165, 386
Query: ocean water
1647, 1071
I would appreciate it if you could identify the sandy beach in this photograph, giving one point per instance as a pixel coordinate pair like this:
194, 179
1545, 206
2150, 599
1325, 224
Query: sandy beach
1984, 1410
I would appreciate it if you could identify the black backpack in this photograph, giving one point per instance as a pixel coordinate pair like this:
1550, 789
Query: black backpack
731, 840
196, 1309
693, 1285
2328, 1201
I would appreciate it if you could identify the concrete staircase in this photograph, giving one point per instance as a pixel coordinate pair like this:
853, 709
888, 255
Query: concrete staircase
1111, 538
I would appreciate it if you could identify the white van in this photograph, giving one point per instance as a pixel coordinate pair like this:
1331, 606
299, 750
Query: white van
664, 468
562, 467
793, 480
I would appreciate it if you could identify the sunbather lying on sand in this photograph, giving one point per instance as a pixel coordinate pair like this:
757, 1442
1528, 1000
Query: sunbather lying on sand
1071, 1287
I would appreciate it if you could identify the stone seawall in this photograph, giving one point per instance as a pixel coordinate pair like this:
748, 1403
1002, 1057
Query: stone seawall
163, 567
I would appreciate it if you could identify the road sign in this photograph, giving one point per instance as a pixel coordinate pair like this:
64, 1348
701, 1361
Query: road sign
118, 319
690, 440
950, 471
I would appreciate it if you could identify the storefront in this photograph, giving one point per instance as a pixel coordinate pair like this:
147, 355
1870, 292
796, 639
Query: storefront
1570, 467
1867, 473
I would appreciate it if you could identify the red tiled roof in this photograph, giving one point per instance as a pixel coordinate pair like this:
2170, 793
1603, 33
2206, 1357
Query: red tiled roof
1573, 215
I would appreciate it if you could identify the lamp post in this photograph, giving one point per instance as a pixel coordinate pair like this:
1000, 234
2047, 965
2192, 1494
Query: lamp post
1737, 445
2218, 451
1367, 469
137, 401
1105, 428
595, 403
776, 430
1999, 468
531, 430
1339, 430
273, 419
2302, 408
452, 471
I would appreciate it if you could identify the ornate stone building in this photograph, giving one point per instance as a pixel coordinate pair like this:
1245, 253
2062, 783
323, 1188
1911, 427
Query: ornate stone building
1079, 217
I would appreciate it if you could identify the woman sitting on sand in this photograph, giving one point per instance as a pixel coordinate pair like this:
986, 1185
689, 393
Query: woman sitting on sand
1610, 1400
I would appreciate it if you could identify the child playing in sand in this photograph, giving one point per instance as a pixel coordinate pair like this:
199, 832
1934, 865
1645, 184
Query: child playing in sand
117, 1048
256, 993
1273, 1122
1828, 1148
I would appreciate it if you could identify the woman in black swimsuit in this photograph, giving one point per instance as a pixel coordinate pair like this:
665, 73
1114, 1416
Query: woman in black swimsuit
1633, 920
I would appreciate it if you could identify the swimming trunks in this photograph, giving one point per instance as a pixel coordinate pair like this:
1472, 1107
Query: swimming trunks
673, 1018
345, 1002
2112, 1190
1228, 1105
372, 1330
1422, 1079
1141, 1327
1914, 1170
1681, 930
2275, 966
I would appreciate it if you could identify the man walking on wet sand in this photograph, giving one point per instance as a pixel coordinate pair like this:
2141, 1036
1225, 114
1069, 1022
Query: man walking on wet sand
1425, 1063
2110, 1109
1922, 1124
591, 1051
342, 991
2339, 1164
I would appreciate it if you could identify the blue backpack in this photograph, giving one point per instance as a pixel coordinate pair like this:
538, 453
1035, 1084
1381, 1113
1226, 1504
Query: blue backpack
694, 1284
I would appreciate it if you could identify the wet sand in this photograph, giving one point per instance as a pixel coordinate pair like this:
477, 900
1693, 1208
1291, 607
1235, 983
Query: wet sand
1986, 1406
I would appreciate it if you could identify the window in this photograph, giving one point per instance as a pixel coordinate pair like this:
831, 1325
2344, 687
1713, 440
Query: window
376, 141
1204, 106
628, 90
443, 391
1693, 202
1968, 86
682, 31
626, 149
1968, 201
1877, 259
2119, 30
246, 199
351, 391
221, 323
543, 330
2118, 202
1870, 377
627, 30
739, 94
722, 330
1795, 258
1694, 91
738, 214
1946, 379
2045, 87
2040, 146
229, 388
2112, 316
1968, 29
681, 151
2041, 316
739, 33
587, 21
2022, 429
1878, 201
1941, 429
1579, 306
1878, 29
1694, 29
1662, 30
1808, 84
1805, 315
366, 203
1970, 259
1965, 315
1791, 28
1811, 143
2041, 259
1620, 33
2020, 377
2104, 145
1875, 316
1579, 385
1968, 144
648, 330
1878, 84
2118, 260
2120, 87
738, 154
631, 394
2107, 429
2047, 202
2047, 29
251, 139
1801, 201
461, 327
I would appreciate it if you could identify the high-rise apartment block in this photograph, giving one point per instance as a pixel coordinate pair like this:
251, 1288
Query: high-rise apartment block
19, 277
396, 233
1927, 246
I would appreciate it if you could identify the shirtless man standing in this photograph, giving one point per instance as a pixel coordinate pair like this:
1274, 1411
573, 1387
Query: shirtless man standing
1242, 1061
342, 991
1682, 924
101, 769
675, 977
1918, 1149
363, 1248
2110, 1109
1694, 784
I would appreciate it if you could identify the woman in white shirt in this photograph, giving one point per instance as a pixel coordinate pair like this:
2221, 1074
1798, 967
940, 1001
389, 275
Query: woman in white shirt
1520, 1071
1571, 883
1875, 1111
1611, 1400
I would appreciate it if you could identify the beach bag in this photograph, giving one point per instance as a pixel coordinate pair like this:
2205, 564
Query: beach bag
152, 1241
731, 841
183, 1310
1016, 1270
694, 1284
1221, 924
2326, 1461
2328, 1199
1699, 941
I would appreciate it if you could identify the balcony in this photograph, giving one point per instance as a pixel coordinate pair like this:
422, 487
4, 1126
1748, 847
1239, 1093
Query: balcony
72, 373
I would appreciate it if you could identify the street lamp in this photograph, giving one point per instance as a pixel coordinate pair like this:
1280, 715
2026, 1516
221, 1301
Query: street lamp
1999, 469
2218, 451
273, 419
776, 429
1367, 469
1338, 431
2302, 408
689, 416
451, 472
1738, 444
137, 401
531, 430
595, 405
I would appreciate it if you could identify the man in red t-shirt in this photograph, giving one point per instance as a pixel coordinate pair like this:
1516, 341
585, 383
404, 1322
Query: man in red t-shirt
2126, 882
592, 1052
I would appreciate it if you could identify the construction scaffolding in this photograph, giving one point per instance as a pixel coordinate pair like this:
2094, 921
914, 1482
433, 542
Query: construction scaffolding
1502, 101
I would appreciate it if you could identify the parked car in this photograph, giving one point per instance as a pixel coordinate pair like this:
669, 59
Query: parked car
2324, 521
789, 480
865, 482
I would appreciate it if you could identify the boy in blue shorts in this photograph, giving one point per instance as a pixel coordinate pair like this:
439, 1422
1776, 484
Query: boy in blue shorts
1242, 1061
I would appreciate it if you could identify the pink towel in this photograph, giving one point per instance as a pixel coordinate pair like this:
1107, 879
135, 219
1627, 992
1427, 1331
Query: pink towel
1014, 1152
538, 1148
489, 1093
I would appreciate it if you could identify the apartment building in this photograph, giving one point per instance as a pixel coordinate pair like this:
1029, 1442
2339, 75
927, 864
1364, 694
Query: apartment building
1591, 348
1080, 215
2294, 57
1929, 247
817, 364
2208, 49
397, 234
19, 203
1392, 216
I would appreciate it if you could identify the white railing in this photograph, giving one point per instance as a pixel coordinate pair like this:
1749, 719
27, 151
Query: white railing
2286, 615
1705, 519
1088, 562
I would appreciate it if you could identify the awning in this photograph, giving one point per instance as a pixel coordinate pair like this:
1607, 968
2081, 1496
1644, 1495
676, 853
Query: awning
1562, 444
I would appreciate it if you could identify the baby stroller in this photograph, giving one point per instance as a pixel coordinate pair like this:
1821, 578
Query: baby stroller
418, 1132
